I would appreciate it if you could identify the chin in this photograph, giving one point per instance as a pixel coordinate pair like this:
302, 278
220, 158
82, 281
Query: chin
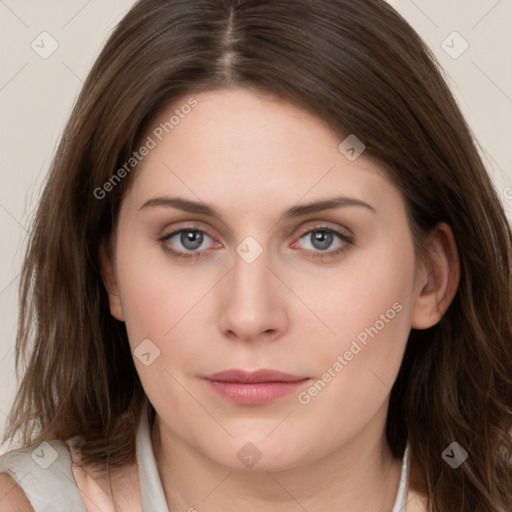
261, 455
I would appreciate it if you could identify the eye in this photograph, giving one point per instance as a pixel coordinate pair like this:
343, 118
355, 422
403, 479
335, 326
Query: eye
321, 239
189, 243
187, 240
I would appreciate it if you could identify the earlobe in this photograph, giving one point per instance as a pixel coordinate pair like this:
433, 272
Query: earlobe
437, 279
110, 283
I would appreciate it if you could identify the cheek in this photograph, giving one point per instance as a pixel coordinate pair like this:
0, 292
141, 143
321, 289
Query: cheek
164, 303
160, 306
368, 295
365, 311
369, 307
154, 295
146, 294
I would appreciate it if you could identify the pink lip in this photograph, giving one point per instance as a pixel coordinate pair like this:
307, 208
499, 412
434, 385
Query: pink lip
256, 387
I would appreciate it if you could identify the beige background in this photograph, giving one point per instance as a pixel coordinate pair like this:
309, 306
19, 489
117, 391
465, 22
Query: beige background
36, 95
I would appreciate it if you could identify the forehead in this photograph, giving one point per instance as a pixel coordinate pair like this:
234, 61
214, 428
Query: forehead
235, 145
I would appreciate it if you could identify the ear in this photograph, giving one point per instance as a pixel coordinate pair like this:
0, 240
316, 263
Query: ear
437, 278
110, 281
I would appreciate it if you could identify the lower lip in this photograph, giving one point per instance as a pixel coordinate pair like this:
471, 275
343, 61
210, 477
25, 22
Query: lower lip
255, 393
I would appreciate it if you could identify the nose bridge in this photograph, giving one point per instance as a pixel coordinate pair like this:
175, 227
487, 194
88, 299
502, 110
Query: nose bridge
250, 284
252, 305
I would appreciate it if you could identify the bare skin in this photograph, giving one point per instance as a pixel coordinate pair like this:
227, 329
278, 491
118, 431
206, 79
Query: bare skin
121, 492
252, 157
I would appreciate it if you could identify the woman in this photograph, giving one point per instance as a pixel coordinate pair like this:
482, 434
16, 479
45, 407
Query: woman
268, 270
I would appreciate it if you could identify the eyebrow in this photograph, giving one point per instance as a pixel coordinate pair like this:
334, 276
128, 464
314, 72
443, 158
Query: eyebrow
200, 208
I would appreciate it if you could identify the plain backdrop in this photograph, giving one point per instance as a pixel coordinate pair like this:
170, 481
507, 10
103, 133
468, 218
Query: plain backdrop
37, 92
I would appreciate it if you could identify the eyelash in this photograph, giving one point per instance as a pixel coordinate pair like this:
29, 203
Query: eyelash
322, 255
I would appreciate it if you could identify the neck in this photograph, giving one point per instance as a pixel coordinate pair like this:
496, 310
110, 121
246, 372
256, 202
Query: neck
360, 475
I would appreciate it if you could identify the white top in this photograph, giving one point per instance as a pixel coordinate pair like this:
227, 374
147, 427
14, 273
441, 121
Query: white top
401, 496
46, 477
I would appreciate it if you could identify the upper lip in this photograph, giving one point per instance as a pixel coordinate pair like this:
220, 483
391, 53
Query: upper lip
264, 375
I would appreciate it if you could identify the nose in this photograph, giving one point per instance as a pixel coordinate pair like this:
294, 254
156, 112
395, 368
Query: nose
253, 302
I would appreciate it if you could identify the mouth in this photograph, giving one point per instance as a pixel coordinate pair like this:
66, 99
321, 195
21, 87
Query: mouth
254, 387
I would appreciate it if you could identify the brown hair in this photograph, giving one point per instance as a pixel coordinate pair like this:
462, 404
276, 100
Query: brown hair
359, 66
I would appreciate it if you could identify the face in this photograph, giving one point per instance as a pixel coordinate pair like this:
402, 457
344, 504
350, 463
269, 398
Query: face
325, 294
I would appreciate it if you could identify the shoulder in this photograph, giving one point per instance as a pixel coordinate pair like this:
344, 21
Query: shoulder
48, 456
35, 476
12, 498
